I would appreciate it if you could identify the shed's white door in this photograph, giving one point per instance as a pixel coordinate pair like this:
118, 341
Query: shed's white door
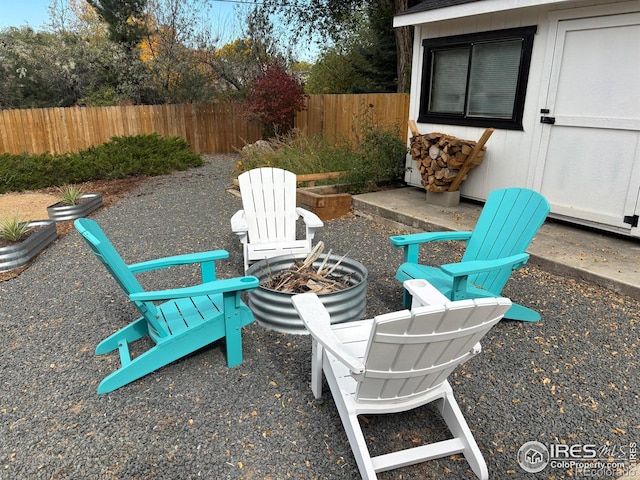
590, 157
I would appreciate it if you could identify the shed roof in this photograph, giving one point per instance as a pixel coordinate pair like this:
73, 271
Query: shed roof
436, 10
434, 5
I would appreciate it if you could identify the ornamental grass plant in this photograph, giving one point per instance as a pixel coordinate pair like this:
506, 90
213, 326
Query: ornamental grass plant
372, 156
13, 228
70, 194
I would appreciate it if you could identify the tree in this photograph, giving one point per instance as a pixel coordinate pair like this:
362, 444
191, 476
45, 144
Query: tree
170, 50
127, 26
54, 69
238, 63
333, 18
404, 42
334, 72
377, 58
125, 19
165, 40
131, 52
273, 99
364, 61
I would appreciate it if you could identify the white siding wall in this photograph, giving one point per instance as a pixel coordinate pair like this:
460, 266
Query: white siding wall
511, 155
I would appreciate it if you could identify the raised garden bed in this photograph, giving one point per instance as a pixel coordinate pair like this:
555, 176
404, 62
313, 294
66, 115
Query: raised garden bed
60, 212
20, 253
328, 201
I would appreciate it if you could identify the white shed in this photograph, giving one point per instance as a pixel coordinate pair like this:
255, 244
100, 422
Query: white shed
558, 80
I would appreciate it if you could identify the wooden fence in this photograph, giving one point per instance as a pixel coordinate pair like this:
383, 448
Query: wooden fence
212, 128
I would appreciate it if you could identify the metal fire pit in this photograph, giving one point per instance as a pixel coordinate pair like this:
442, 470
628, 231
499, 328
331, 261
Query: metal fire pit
273, 309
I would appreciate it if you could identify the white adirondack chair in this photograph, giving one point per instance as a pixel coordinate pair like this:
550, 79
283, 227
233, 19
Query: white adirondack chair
266, 226
397, 362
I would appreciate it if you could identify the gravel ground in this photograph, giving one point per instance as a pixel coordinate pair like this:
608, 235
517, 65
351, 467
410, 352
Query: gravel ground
571, 378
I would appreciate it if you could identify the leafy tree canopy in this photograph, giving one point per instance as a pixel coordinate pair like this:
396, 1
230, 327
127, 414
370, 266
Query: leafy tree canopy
47, 69
337, 18
125, 19
273, 99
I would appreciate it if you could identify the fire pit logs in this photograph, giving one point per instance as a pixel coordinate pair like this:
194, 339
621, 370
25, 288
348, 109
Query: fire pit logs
340, 283
303, 276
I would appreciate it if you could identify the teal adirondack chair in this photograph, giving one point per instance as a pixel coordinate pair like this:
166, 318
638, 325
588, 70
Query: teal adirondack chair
510, 219
188, 319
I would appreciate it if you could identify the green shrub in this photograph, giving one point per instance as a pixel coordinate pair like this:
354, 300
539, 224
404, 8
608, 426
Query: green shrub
120, 157
381, 157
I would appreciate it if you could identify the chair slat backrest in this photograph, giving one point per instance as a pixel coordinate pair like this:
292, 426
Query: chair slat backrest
508, 223
411, 352
111, 259
269, 202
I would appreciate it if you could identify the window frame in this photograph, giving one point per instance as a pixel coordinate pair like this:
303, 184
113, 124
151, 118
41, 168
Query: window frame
526, 34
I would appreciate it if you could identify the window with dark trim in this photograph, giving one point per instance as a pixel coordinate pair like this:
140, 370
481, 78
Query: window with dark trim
478, 79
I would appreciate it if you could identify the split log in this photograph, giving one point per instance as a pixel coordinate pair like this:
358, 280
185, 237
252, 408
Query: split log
443, 160
469, 162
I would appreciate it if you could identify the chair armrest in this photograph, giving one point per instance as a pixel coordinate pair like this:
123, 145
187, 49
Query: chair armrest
185, 259
316, 318
310, 219
423, 293
240, 284
411, 243
479, 266
399, 241
239, 223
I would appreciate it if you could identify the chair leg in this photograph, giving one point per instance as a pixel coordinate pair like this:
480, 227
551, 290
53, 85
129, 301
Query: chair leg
454, 419
132, 332
515, 312
317, 352
354, 433
245, 253
142, 365
233, 339
523, 314
163, 353
406, 298
235, 318
153, 359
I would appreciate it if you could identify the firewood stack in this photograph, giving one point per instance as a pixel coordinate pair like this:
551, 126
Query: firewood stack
443, 160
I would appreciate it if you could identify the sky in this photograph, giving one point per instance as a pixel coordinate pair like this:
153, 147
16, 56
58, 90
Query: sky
227, 24
35, 13
15, 13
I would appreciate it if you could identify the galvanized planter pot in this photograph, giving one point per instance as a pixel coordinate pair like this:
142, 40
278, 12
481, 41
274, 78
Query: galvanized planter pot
60, 212
273, 309
21, 253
